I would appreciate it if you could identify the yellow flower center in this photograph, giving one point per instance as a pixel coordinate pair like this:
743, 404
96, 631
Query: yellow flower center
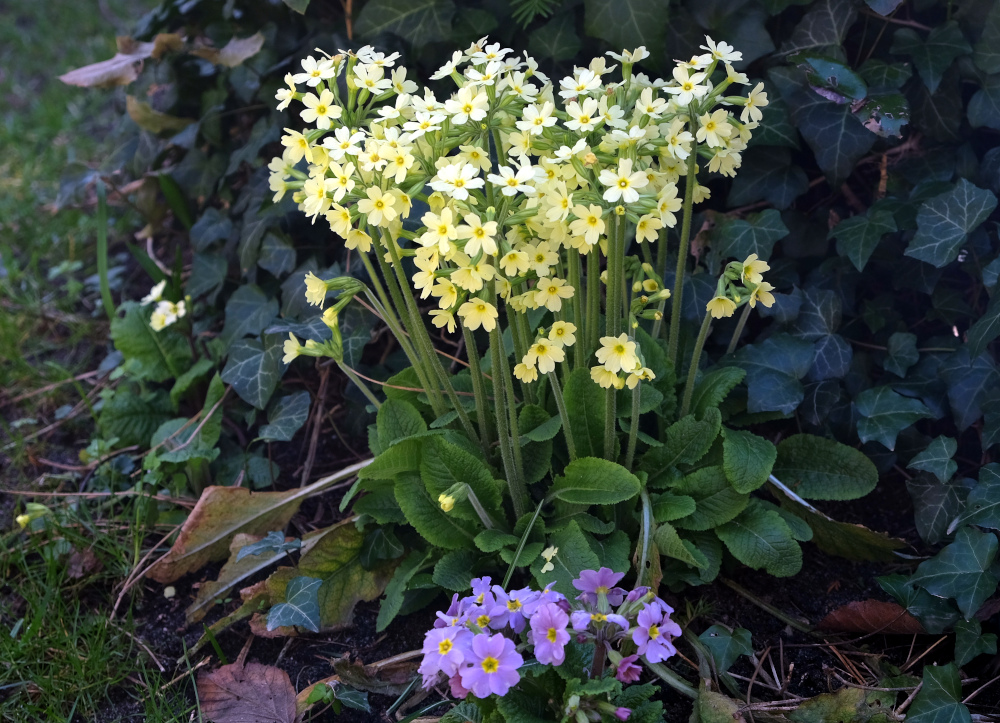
490, 664
442, 230
710, 126
480, 308
444, 646
483, 621
513, 605
619, 349
552, 635
379, 205
687, 86
654, 632
584, 119
467, 108
459, 182
623, 183
321, 110
479, 232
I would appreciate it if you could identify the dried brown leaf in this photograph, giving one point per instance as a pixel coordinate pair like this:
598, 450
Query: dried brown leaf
153, 120
165, 43
231, 575
83, 563
252, 694
119, 70
235, 51
220, 514
871, 616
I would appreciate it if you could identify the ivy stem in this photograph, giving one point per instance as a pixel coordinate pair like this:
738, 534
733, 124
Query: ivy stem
739, 329
563, 414
690, 182
706, 327
479, 389
633, 430
359, 384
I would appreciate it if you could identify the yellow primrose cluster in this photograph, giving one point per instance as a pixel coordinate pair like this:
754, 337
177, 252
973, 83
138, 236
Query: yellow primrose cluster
523, 177
742, 283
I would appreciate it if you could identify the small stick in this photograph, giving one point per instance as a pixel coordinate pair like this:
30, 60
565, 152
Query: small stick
980, 689
917, 659
909, 699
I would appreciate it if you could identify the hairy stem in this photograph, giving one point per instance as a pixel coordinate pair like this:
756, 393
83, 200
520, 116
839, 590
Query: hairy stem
739, 329
563, 414
690, 182
706, 326
633, 430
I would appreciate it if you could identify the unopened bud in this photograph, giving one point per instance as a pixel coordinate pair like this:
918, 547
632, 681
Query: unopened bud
636, 287
589, 159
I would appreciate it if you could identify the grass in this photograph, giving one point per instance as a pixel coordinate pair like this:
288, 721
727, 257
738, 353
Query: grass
60, 656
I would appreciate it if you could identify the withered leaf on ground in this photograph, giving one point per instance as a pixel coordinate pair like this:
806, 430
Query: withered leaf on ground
149, 119
251, 694
235, 51
126, 65
83, 563
871, 616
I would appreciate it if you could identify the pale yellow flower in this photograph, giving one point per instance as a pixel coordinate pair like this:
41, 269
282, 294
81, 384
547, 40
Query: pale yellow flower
291, 348
563, 333
544, 354
476, 313
551, 292
762, 293
617, 353
720, 307
316, 289
606, 379
525, 373
753, 269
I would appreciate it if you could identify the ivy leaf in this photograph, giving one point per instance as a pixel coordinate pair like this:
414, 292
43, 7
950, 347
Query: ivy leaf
902, 353
962, 570
984, 107
626, 23
254, 369
747, 459
822, 469
831, 78
715, 499
594, 481
944, 222
936, 458
858, 236
557, 39
831, 358
286, 417
726, 646
819, 315
276, 255
885, 413
760, 539
987, 50
768, 174
774, 368
986, 328
301, 606
971, 642
940, 697
982, 508
416, 21
211, 226
273, 542
756, 234
836, 137
884, 7
932, 56
935, 614
824, 24
208, 273
968, 380
935, 505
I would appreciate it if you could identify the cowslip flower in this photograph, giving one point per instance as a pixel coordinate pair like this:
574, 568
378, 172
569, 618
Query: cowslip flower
371, 78
515, 263
647, 227
456, 179
549, 554
761, 293
315, 71
755, 101
443, 319
480, 235
286, 95
606, 379
493, 669
617, 353
721, 307
549, 635
537, 118
478, 313
343, 142
321, 110
640, 374
513, 182
563, 333
722, 51
166, 313
468, 104
688, 86
583, 117
316, 289
525, 373
155, 294
594, 583
291, 348
589, 224
623, 184
753, 270
714, 128
378, 206
551, 292
544, 354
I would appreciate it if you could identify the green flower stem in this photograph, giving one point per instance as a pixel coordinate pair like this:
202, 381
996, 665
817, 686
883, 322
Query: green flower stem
420, 363
575, 272
359, 384
593, 320
739, 329
479, 389
673, 680
610, 435
515, 478
563, 414
633, 430
699, 344
519, 334
661, 262
423, 339
690, 182
646, 537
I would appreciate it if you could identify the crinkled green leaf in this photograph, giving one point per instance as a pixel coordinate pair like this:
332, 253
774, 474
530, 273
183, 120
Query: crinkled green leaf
747, 459
760, 538
454, 570
688, 440
585, 407
396, 420
152, 355
594, 481
669, 543
574, 556
713, 387
396, 588
715, 499
821, 469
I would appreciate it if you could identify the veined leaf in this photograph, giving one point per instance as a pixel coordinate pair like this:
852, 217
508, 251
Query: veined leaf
416, 21
301, 606
885, 413
944, 221
962, 570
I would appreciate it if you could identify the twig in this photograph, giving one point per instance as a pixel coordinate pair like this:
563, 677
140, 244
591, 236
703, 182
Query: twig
148, 651
134, 576
186, 674
980, 689
909, 699
93, 495
897, 21
784, 617
913, 662
317, 423
53, 385
756, 671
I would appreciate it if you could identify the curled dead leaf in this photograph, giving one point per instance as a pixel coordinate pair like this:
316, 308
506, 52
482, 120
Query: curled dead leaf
871, 616
83, 563
247, 694
235, 51
126, 65
153, 120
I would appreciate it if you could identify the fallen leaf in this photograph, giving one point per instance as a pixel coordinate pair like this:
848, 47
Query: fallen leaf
220, 514
82, 564
165, 43
871, 616
153, 120
847, 704
235, 51
387, 677
119, 70
252, 694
